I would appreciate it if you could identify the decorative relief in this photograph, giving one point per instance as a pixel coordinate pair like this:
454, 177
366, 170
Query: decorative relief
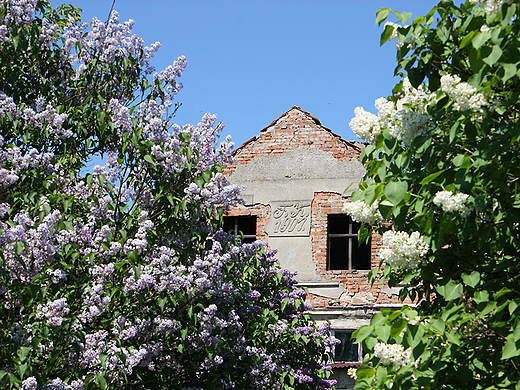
289, 219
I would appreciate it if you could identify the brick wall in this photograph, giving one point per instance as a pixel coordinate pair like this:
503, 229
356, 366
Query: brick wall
294, 128
262, 213
297, 128
357, 289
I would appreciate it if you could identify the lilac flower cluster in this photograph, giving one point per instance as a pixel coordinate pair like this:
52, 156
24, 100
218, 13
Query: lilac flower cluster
18, 11
218, 192
53, 311
12, 162
106, 42
170, 75
26, 248
126, 263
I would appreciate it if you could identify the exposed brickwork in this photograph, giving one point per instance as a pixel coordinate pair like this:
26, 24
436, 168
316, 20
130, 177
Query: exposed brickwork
357, 289
295, 128
262, 213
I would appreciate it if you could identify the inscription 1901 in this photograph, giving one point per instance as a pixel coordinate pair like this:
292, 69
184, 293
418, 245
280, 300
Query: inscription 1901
291, 219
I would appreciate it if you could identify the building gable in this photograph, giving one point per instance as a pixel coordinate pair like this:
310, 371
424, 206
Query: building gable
294, 157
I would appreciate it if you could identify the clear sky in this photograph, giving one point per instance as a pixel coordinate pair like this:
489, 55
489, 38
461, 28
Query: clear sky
249, 61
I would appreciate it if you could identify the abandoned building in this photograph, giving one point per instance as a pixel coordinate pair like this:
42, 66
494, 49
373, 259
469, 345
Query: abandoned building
297, 175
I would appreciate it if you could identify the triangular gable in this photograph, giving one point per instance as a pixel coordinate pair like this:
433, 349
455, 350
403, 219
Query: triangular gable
277, 123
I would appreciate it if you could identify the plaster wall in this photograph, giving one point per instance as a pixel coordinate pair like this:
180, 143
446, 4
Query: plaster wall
296, 175
287, 183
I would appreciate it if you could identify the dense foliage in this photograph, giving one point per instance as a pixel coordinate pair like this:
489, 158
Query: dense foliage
121, 277
443, 166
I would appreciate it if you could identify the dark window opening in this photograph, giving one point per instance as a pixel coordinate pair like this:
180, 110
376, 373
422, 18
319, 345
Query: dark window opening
343, 250
347, 351
245, 225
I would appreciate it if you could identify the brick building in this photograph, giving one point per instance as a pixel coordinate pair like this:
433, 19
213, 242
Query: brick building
297, 175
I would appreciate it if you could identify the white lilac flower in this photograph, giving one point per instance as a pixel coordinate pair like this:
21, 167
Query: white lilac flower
4, 208
452, 203
490, 6
415, 320
392, 354
406, 251
406, 118
395, 26
352, 372
58, 384
365, 125
359, 211
465, 97
19, 11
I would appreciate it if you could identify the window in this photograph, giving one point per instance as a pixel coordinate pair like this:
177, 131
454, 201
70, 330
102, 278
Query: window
343, 251
246, 225
347, 351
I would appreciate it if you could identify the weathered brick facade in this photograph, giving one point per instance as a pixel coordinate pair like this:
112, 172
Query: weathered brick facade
296, 171
292, 130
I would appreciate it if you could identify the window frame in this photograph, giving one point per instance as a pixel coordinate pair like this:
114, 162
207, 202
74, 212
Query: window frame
359, 346
238, 232
352, 238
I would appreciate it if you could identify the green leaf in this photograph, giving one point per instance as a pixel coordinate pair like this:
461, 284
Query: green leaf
495, 55
23, 352
103, 358
511, 348
502, 291
365, 372
451, 290
403, 17
395, 191
509, 71
362, 333
133, 256
383, 332
16, 42
387, 33
453, 131
377, 319
432, 177
149, 159
442, 33
381, 375
161, 302
505, 18
101, 179
471, 279
416, 76
372, 193
101, 381
381, 15
486, 307
458, 160
479, 39
438, 325
516, 329
467, 39
19, 247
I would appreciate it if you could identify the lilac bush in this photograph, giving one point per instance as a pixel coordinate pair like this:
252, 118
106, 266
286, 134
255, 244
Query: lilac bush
120, 276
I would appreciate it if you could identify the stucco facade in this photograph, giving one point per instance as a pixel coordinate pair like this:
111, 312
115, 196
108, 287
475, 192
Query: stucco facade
297, 175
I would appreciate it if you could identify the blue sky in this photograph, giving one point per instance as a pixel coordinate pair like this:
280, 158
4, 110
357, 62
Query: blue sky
249, 61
